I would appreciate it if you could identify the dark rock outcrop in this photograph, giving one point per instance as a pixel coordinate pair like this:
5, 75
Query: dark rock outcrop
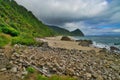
66, 38
112, 48
85, 42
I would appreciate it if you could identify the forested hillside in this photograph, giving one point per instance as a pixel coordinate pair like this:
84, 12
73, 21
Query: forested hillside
61, 31
19, 25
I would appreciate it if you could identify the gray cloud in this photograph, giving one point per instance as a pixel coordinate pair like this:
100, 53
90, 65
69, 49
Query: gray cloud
71, 14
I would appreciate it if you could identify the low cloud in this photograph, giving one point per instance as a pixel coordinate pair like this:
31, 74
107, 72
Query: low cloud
87, 15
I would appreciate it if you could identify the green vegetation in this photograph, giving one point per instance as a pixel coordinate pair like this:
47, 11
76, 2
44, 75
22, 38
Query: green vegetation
30, 70
55, 77
4, 39
41, 77
61, 31
77, 32
9, 30
35, 75
20, 24
24, 39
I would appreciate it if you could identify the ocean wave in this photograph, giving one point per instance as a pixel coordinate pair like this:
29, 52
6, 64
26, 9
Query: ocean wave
100, 45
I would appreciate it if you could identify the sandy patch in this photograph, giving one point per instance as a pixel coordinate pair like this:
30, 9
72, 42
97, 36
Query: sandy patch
57, 43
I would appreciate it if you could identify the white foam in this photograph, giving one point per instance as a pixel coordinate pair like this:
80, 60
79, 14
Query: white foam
100, 45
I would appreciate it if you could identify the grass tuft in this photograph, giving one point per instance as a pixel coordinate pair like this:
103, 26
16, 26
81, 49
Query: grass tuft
4, 39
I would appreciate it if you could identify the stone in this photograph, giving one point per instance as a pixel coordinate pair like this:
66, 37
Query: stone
70, 71
3, 69
85, 43
24, 73
3, 62
99, 77
52, 70
14, 69
66, 38
19, 75
16, 55
112, 48
25, 65
88, 75
115, 67
9, 66
103, 50
45, 45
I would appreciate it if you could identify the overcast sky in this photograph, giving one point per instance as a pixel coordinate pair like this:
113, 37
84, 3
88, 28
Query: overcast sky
93, 17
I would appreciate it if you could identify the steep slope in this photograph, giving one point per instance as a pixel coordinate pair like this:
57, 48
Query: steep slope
17, 21
77, 32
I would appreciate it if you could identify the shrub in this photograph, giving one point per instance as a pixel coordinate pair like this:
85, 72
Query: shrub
40, 77
55, 77
30, 69
4, 39
23, 41
10, 31
26, 39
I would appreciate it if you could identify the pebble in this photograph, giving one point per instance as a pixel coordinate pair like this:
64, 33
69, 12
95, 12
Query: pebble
88, 75
3, 69
14, 69
69, 62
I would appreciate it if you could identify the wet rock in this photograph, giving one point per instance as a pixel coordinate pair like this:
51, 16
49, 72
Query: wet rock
112, 48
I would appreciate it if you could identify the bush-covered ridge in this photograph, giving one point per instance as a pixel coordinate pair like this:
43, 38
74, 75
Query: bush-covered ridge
61, 31
17, 22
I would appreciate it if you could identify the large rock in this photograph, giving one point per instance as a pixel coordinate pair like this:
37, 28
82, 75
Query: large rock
85, 42
66, 38
112, 48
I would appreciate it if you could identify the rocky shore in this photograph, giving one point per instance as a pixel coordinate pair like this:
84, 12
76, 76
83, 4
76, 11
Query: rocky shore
83, 64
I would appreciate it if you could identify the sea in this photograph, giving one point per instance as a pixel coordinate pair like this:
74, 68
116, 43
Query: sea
102, 41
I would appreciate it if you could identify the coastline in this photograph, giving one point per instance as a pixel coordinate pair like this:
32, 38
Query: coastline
61, 58
57, 43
